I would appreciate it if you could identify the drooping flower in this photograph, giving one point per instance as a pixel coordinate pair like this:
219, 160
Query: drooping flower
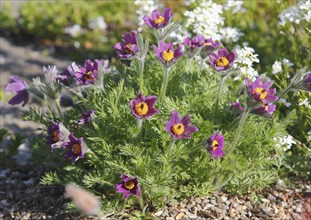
20, 88
128, 186
87, 117
157, 19
237, 106
88, 73
179, 128
209, 46
194, 45
167, 54
57, 135
307, 82
261, 91
265, 110
67, 76
221, 59
143, 107
128, 47
215, 145
75, 148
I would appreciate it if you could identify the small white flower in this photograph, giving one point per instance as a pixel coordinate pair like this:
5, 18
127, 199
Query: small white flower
74, 30
277, 67
98, 23
287, 104
229, 34
287, 62
235, 6
305, 102
285, 142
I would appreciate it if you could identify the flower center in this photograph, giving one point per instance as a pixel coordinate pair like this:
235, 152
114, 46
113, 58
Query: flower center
266, 107
262, 92
76, 148
128, 48
178, 129
89, 76
55, 136
130, 184
159, 20
214, 145
207, 44
141, 108
168, 55
222, 61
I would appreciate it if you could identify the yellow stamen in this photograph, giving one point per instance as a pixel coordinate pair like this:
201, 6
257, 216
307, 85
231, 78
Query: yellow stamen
266, 107
207, 44
141, 108
128, 48
55, 136
159, 20
214, 145
130, 184
168, 55
222, 61
262, 92
76, 148
178, 129
89, 76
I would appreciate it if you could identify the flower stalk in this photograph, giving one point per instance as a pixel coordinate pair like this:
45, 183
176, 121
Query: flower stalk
141, 73
164, 83
239, 129
221, 85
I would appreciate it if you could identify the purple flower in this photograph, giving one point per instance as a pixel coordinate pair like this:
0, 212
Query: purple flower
51, 73
57, 135
237, 106
265, 110
167, 54
158, 20
88, 73
128, 47
67, 76
143, 107
86, 117
128, 186
193, 46
75, 148
261, 91
209, 46
215, 144
20, 88
221, 60
307, 82
179, 129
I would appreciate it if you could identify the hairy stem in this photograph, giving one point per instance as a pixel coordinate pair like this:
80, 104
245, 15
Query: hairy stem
239, 130
164, 84
286, 90
141, 74
59, 111
221, 85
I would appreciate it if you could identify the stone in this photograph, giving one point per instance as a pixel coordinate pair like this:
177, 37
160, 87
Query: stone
191, 216
159, 213
265, 200
180, 216
169, 218
198, 201
165, 213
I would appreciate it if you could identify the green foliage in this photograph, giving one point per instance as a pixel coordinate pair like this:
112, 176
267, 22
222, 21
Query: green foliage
6, 17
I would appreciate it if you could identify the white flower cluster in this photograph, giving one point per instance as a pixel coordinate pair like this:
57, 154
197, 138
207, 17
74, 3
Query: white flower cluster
285, 142
305, 103
97, 23
206, 19
229, 34
246, 56
74, 31
296, 13
146, 8
277, 65
235, 6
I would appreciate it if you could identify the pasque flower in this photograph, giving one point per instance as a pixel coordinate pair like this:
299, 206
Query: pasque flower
20, 88
307, 82
167, 54
57, 135
208, 47
87, 73
157, 19
215, 144
67, 76
237, 106
261, 91
128, 186
193, 46
179, 128
87, 117
143, 107
221, 59
75, 148
265, 110
128, 47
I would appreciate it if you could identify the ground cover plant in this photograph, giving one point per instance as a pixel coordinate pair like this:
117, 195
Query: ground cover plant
172, 120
